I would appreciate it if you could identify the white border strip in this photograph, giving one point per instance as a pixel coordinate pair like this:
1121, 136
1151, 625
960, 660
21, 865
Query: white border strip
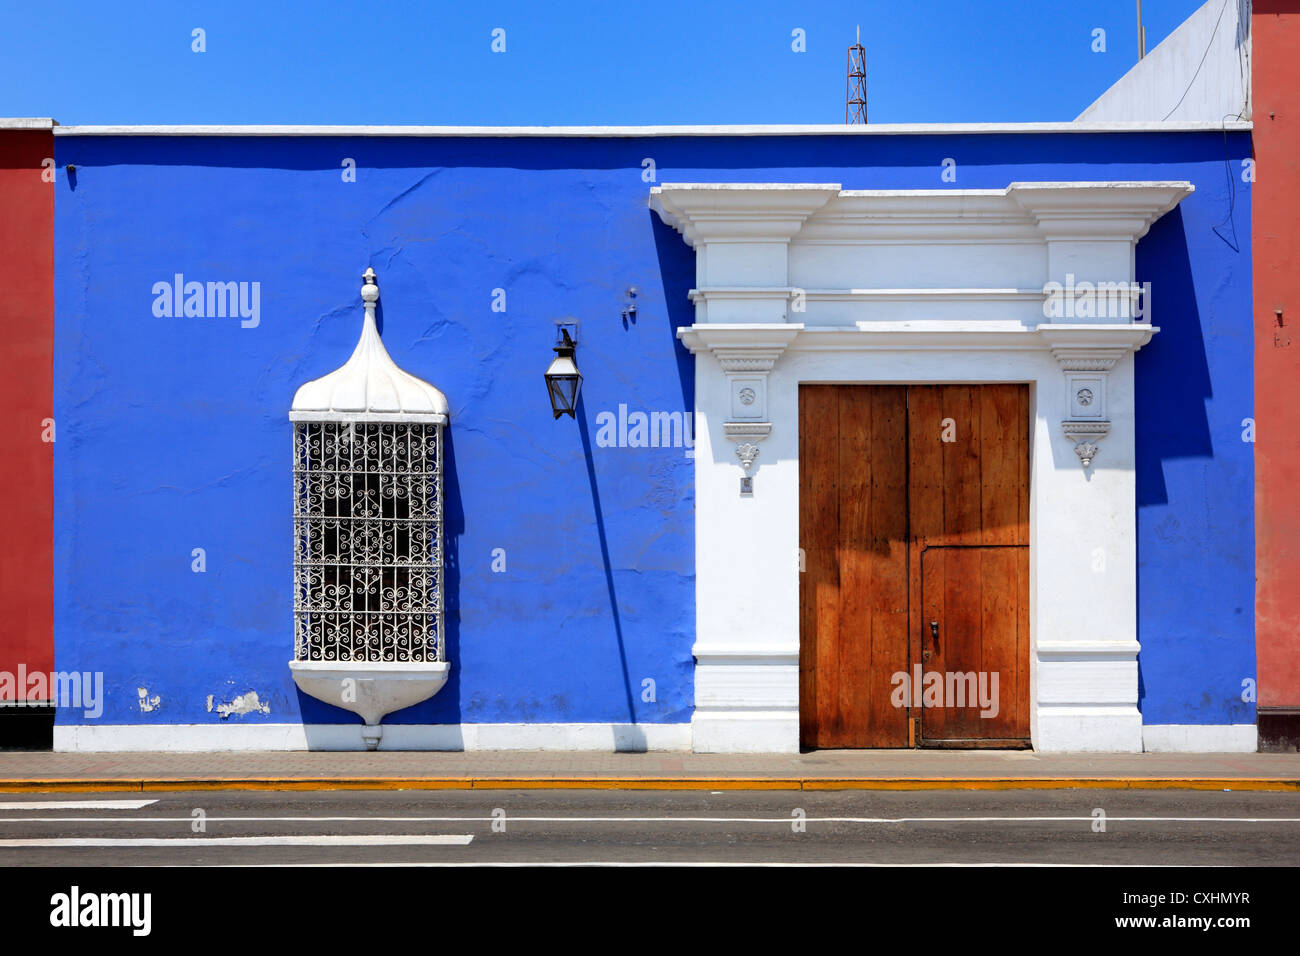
606, 738
1200, 738
210, 738
878, 129
27, 122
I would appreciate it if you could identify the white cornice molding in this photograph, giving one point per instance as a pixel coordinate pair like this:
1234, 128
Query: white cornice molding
1081, 343
756, 337
823, 212
1098, 210
746, 212
1083, 339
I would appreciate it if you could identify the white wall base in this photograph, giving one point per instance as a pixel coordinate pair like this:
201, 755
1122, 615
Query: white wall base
120, 738
756, 732
746, 698
1200, 738
1097, 729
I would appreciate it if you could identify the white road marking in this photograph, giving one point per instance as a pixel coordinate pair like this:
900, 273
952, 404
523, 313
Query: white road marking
781, 820
75, 804
418, 839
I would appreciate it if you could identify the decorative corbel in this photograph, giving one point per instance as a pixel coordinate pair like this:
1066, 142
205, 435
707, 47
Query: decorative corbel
746, 355
1086, 372
747, 370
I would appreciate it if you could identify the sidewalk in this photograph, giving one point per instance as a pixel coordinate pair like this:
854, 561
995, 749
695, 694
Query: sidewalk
822, 770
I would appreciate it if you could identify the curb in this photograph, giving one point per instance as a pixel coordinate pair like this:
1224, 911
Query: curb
171, 784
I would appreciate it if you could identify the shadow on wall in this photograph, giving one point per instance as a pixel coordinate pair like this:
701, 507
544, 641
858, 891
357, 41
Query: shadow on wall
1171, 373
604, 555
1172, 387
677, 273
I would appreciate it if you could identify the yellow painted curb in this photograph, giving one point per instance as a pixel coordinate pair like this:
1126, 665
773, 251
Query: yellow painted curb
171, 784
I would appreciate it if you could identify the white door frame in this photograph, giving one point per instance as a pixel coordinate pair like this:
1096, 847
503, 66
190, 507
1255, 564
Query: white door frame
811, 283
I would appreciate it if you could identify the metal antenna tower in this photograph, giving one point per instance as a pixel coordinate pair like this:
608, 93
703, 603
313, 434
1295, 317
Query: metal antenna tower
855, 95
1142, 34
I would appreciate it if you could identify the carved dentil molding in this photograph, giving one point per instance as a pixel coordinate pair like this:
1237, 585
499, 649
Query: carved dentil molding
1070, 363
753, 431
747, 360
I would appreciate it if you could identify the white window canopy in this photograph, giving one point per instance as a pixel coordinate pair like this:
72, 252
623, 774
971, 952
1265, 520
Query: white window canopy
369, 386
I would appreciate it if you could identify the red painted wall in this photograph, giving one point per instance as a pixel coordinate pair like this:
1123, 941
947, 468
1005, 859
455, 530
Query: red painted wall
1275, 30
26, 389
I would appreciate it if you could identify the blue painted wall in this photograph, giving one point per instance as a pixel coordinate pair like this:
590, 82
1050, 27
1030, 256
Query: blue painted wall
173, 432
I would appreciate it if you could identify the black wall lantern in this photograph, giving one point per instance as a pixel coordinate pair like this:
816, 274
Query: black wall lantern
563, 380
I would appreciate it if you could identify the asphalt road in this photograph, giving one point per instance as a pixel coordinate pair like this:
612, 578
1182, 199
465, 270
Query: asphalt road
575, 826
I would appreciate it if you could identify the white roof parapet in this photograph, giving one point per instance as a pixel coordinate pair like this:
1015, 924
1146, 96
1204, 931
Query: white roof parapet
870, 129
369, 386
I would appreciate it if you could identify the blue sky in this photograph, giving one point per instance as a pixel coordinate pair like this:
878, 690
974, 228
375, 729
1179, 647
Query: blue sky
617, 63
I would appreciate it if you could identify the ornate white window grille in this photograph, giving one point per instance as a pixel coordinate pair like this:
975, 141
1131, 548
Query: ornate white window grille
368, 452
368, 533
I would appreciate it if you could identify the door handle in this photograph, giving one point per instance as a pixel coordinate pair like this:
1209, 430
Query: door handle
934, 633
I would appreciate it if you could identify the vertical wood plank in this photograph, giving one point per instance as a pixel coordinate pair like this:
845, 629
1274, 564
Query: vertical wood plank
925, 432
889, 566
999, 647
961, 466
934, 591
819, 582
856, 459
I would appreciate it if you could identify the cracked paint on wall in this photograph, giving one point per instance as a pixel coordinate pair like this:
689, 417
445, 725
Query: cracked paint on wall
148, 704
242, 704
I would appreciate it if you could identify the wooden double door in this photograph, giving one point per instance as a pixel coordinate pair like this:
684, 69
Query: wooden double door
914, 589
